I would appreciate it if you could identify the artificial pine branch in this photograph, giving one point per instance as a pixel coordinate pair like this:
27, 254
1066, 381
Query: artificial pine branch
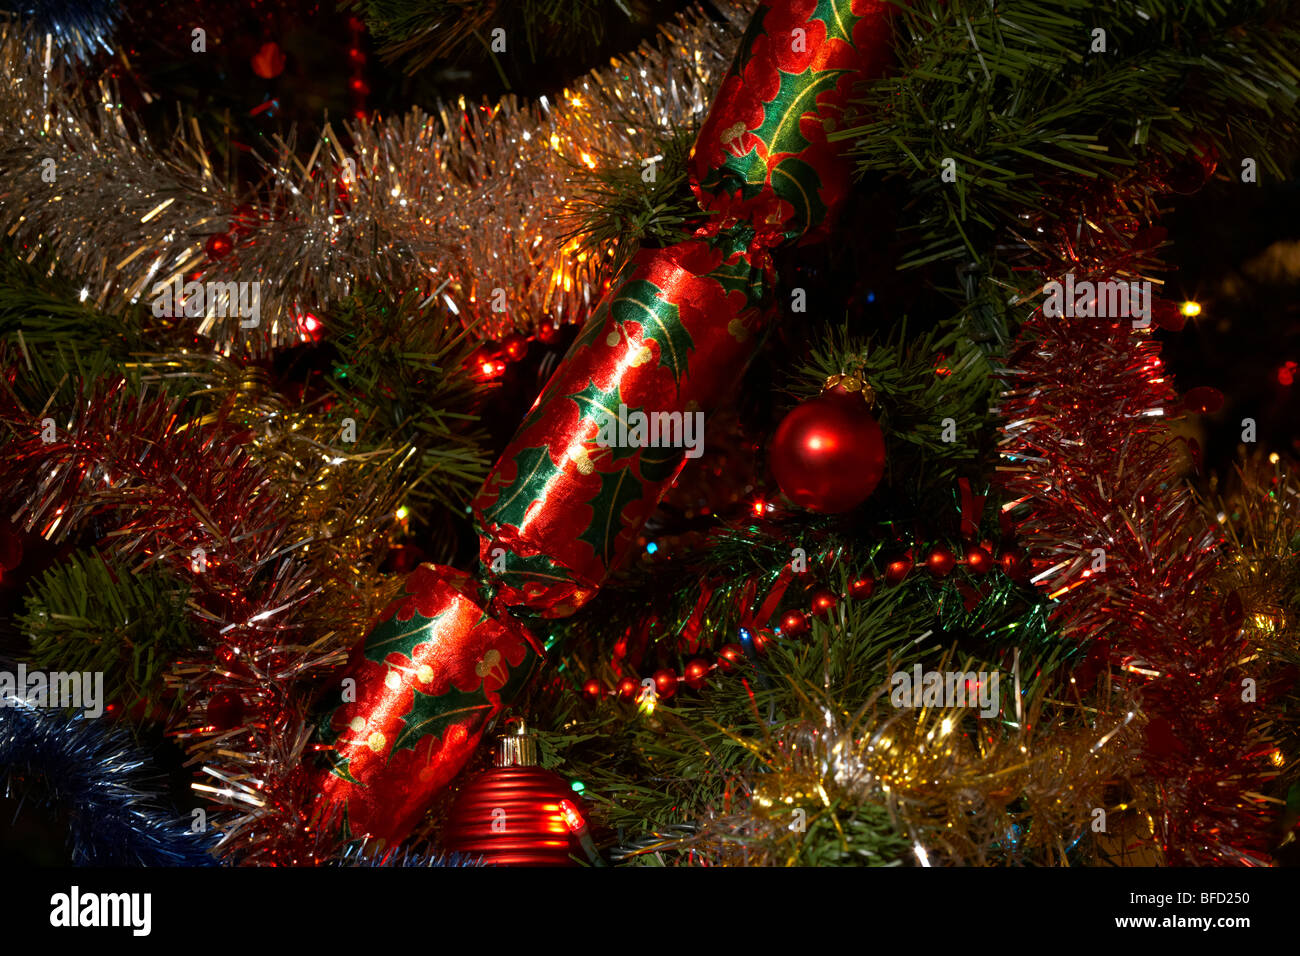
1014, 94
401, 375
93, 612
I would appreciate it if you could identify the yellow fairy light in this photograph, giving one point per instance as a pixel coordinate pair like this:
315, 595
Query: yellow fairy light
1190, 309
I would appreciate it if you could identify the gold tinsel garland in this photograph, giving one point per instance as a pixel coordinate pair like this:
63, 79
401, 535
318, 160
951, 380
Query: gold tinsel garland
456, 204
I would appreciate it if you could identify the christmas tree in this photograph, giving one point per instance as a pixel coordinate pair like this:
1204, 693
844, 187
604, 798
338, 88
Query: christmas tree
806, 432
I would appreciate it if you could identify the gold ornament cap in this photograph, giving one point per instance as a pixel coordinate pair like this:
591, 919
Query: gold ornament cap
853, 383
517, 747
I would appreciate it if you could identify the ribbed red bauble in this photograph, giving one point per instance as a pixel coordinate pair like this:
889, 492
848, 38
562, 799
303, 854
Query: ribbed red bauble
828, 454
511, 815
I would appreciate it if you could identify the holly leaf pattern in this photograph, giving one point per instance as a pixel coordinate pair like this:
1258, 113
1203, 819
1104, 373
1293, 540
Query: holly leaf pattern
401, 636
534, 470
342, 767
596, 404
618, 489
796, 182
837, 17
434, 713
796, 96
642, 301
537, 567
740, 276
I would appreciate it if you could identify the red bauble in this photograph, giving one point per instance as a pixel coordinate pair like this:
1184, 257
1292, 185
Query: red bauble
511, 815
828, 454
729, 655
898, 569
218, 246
591, 689
627, 688
823, 602
940, 562
225, 710
665, 683
861, 588
978, 559
696, 672
794, 623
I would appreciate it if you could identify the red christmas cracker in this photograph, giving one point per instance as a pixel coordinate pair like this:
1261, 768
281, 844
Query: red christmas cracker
621, 415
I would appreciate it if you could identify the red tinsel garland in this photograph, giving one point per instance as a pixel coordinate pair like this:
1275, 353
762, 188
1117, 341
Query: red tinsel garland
1090, 450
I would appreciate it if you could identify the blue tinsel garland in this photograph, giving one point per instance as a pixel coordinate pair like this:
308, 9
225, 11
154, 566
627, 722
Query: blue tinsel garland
81, 27
99, 778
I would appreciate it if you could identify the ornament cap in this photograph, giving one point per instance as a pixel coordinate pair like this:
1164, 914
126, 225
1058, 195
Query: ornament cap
517, 747
854, 384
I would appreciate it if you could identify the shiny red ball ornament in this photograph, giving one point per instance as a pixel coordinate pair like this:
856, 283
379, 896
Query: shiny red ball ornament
697, 670
665, 683
511, 815
823, 602
729, 656
591, 689
218, 246
898, 569
828, 454
978, 559
861, 588
794, 623
940, 562
225, 710
515, 346
627, 688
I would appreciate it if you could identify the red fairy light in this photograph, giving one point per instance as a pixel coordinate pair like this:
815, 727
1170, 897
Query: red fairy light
1286, 374
572, 818
309, 326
